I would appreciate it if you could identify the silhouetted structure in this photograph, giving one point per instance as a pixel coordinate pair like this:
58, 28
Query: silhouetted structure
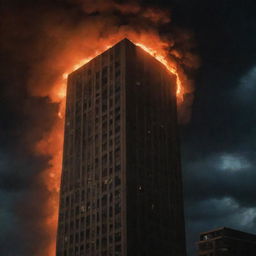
121, 188
226, 242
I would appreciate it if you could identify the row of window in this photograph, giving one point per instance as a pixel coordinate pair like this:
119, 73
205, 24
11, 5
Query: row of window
112, 251
88, 223
86, 237
93, 196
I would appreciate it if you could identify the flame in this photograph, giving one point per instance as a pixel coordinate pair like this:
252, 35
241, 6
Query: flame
52, 143
172, 69
163, 58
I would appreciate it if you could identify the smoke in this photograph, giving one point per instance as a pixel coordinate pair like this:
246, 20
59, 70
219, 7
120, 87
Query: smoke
42, 41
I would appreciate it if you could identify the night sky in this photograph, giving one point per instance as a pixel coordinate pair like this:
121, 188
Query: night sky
218, 144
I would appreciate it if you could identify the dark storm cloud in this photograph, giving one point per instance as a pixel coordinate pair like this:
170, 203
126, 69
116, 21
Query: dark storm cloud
218, 145
224, 175
20, 191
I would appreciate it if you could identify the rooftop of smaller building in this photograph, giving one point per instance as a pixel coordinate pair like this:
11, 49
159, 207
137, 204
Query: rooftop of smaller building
227, 232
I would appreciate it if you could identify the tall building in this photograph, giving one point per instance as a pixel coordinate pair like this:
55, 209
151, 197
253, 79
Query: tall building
121, 187
226, 242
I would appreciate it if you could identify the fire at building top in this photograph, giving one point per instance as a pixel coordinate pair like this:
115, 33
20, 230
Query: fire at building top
158, 55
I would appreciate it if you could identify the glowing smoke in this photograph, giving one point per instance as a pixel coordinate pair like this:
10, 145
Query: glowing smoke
50, 39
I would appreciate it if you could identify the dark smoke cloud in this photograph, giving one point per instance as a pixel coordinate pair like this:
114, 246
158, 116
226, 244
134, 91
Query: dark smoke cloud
24, 119
34, 36
218, 145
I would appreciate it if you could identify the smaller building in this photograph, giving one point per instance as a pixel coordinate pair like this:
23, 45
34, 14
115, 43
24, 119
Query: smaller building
226, 242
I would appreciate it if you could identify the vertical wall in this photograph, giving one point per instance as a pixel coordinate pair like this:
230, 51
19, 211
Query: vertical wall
155, 219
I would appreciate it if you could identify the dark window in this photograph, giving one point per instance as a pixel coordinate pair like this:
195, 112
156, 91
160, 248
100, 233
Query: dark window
117, 180
118, 237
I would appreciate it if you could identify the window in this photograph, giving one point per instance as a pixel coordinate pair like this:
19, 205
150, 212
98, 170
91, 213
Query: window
77, 196
82, 195
104, 118
117, 64
104, 229
111, 103
117, 140
117, 237
82, 221
104, 159
104, 200
117, 128
117, 211
104, 127
111, 224
117, 168
67, 200
117, 180
104, 172
117, 90
104, 147
76, 237
72, 225
118, 250
111, 197
117, 110
104, 187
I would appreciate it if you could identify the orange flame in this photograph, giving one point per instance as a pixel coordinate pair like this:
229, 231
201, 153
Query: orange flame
172, 69
160, 56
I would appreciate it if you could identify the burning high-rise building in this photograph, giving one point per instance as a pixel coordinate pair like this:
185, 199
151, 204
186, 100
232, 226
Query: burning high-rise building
121, 186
